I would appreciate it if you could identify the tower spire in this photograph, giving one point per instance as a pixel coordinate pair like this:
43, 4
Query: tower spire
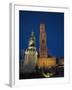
32, 39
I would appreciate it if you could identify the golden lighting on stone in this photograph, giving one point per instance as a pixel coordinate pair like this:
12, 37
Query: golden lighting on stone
46, 62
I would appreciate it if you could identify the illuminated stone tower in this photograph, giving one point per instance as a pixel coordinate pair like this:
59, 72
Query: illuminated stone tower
43, 45
30, 58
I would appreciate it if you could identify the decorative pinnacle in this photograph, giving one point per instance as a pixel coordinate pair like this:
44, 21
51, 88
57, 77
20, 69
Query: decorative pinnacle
32, 39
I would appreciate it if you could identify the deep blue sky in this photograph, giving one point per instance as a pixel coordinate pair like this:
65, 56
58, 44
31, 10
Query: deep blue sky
30, 21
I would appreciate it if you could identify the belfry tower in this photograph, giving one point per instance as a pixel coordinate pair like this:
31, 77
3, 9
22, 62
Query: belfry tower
43, 45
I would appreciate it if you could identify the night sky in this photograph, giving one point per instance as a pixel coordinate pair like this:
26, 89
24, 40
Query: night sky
54, 23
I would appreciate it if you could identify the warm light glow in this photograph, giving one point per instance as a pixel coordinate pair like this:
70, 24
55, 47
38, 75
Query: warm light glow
46, 62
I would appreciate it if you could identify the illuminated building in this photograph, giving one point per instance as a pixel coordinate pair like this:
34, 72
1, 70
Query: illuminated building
43, 47
44, 60
47, 62
30, 59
